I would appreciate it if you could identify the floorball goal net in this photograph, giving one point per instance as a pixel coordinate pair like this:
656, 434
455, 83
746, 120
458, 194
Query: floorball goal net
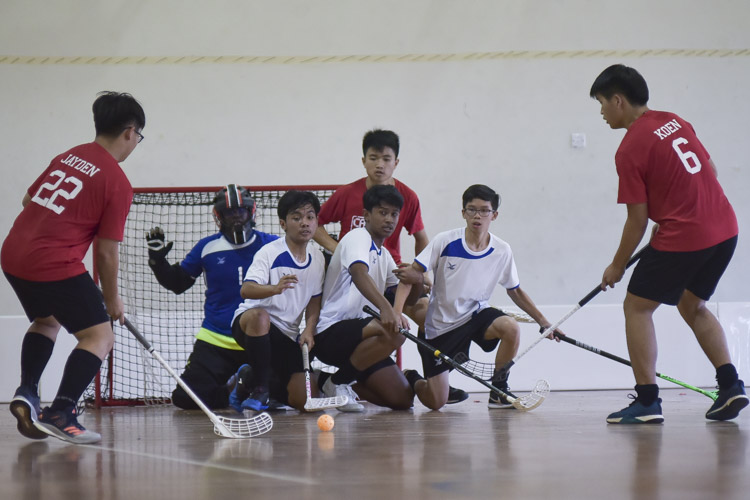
129, 376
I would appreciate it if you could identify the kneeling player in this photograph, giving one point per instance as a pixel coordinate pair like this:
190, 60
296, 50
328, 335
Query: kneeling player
284, 281
467, 264
359, 272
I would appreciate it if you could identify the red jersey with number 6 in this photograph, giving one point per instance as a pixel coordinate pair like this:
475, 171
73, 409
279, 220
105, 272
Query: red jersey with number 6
81, 195
662, 163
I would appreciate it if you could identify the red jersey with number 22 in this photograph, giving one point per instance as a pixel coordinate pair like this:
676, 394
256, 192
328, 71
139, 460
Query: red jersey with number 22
662, 163
81, 195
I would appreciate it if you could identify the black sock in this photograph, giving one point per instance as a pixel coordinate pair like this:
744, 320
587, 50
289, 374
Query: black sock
345, 374
36, 350
80, 370
726, 376
500, 378
647, 394
322, 377
259, 353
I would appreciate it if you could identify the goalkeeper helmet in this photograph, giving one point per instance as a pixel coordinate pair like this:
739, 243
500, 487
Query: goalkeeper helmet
234, 213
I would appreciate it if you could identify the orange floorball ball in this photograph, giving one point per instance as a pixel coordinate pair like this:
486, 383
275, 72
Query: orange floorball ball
325, 423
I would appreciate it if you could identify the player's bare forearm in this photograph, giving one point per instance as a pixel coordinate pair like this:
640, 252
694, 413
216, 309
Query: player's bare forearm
253, 290
369, 290
26, 200
413, 276
522, 300
322, 238
632, 234
312, 314
402, 292
107, 265
420, 241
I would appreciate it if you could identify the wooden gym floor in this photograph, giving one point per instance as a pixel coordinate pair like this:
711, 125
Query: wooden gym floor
561, 450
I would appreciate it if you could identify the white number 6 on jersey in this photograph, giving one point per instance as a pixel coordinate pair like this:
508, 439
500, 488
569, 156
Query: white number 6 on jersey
686, 156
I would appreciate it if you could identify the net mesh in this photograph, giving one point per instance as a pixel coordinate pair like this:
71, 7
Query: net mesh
130, 375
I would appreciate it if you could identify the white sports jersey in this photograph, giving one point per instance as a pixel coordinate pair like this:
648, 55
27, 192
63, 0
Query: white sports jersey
273, 261
341, 298
464, 280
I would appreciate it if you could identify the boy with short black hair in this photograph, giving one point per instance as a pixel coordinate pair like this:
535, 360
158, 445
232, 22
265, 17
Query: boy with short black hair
359, 273
83, 195
284, 282
468, 263
380, 150
666, 175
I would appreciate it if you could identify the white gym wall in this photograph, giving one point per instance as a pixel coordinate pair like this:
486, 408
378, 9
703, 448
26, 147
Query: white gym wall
480, 92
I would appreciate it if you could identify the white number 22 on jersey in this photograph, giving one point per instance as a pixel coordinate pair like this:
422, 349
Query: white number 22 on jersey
686, 157
58, 191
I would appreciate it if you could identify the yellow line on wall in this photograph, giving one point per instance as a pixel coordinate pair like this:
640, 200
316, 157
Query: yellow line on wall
470, 56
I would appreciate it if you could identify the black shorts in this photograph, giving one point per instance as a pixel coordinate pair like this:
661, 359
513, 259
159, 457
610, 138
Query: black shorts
286, 354
76, 303
335, 345
663, 276
459, 340
206, 373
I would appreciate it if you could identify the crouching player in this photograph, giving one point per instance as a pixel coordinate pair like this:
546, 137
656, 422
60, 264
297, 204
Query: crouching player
284, 281
467, 264
359, 346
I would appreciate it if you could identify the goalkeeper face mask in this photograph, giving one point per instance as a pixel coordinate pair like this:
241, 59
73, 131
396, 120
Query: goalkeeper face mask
234, 212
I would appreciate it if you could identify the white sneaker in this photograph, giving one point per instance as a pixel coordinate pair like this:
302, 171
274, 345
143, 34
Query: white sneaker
332, 390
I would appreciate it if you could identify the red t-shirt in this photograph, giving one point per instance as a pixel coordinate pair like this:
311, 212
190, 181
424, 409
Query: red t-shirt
345, 206
662, 163
82, 194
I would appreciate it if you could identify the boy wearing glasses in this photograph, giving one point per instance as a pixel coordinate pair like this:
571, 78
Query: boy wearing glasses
467, 264
82, 196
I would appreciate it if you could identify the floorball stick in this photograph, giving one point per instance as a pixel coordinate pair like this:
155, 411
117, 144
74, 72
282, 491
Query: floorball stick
225, 427
593, 293
317, 404
524, 403
711, 394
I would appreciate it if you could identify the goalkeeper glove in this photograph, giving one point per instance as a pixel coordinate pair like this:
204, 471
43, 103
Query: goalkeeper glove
157, 249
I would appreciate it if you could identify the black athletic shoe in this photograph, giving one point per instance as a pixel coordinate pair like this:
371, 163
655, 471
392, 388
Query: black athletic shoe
729, 403
501, 401
456, 395
25, 407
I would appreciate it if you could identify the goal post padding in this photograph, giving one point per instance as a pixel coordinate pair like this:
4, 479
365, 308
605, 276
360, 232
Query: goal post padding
129, 376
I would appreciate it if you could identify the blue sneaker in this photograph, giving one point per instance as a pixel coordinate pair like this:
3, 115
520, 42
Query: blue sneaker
64, 425
242, 390
729, 403
25, 407
257, 401
637, 413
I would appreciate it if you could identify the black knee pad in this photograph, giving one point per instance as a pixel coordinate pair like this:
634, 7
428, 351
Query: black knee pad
372, 369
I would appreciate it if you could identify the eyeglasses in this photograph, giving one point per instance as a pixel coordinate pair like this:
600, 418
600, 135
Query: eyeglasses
140, 136
483, 212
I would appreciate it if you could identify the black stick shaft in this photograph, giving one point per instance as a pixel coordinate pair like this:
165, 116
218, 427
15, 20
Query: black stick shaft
435, 352
624, 361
